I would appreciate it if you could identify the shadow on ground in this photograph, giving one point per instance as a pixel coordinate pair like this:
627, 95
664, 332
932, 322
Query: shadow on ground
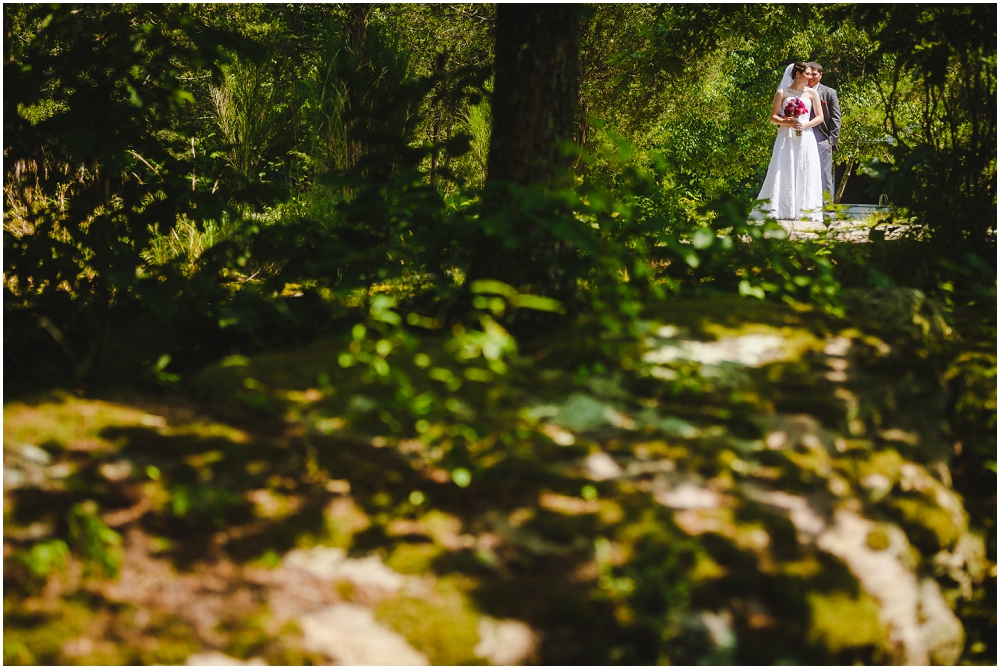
744, 484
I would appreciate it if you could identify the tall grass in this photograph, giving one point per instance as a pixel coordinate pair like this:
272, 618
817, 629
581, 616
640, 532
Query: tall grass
187, 240
302, 122
253, 110
478, 122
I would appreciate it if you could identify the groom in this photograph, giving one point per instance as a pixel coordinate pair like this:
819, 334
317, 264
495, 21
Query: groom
828, 132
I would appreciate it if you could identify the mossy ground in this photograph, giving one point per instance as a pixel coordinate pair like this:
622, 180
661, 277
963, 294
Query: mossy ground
443, 626
497, 500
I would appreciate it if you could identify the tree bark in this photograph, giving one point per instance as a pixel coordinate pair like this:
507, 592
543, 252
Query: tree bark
535, 92
843, 182
533, 108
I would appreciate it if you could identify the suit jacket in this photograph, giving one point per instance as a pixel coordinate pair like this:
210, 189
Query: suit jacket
830, 127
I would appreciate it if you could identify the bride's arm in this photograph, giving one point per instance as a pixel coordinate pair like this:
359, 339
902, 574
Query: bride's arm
818, 106
776, 116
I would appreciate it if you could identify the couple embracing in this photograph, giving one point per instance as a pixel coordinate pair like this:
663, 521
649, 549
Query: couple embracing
808, 118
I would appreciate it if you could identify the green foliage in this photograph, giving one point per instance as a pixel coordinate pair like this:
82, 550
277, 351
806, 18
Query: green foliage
112, 162
444, 41
477, 122
252, 113
693, 84
943, 164
115, 160
342, 129
96, 542
416, 391
664, 240
44, 558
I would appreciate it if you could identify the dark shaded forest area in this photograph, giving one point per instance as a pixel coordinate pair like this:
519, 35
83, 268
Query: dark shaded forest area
409, 334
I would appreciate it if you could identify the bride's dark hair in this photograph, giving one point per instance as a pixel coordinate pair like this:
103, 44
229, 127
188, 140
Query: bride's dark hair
798, 68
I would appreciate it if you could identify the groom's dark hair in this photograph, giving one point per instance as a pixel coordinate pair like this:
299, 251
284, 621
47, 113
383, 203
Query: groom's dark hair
816, 66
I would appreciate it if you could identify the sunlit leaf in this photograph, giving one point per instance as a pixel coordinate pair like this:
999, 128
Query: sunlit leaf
537, 303
703, 238
461, 477
492, 286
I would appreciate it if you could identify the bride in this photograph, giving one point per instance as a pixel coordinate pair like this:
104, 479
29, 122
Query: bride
793, 188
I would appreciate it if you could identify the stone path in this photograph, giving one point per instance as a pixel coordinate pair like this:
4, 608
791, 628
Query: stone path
857, 231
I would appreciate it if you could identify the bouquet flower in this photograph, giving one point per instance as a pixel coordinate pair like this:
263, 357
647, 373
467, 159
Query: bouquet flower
794, 108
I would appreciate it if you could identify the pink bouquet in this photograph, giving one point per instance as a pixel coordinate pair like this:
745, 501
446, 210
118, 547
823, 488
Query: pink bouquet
794, 108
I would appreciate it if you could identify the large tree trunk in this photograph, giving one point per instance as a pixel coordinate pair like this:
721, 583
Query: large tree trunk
534, 105
535, 91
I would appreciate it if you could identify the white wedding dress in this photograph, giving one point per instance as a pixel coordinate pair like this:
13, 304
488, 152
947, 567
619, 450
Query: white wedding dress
793, 187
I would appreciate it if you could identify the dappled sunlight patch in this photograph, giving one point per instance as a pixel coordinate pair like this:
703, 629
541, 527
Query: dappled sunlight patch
700, 521
571, 506
689, 496
587, 495
333, 565
506, 642
69, 423
750, 350
443, 623
208, 431
557, 434
445, 530
308, 396
348, 634
271, 505
343, 518
413, 558
839, 621
599, 466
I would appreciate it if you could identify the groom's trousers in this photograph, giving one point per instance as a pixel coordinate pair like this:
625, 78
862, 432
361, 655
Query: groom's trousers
826, 165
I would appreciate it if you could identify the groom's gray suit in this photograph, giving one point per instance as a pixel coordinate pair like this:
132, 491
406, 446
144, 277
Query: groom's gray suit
827, 134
